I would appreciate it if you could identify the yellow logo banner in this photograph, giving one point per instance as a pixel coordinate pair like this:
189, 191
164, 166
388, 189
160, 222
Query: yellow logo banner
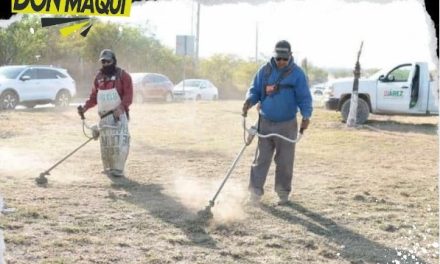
73, 7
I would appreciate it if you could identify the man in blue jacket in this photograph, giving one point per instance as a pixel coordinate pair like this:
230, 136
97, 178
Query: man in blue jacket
280, 87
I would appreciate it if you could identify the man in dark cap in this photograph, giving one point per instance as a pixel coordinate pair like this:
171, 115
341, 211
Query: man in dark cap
113, 93
280, 87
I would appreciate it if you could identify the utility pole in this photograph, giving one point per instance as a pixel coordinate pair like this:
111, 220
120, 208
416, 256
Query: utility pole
192, 17
256, 42
193, 57
197, 34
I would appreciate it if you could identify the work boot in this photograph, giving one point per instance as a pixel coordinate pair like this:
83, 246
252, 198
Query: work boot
283, 200
116, 173
254, 200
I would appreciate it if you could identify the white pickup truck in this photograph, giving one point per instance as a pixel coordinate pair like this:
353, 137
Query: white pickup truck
406, 89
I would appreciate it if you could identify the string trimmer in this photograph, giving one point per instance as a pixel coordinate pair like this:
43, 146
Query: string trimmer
42, 179
251, 133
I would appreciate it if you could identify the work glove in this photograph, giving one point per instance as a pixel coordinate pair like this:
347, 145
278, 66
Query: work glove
246, 106
118, 112
81, 112
304, 125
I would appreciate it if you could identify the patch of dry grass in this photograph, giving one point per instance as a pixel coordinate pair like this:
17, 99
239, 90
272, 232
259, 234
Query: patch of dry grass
360, 195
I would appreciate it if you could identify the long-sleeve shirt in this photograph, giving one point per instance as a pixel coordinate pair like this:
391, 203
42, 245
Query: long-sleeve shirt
121, 81
283, 104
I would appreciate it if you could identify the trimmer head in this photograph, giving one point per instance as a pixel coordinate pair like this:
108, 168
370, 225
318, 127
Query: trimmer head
206, 214
42, 180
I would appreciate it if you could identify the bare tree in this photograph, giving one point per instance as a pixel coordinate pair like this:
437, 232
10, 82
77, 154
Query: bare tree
351, 120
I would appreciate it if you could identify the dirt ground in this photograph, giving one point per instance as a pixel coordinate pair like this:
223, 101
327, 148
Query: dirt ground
366, 195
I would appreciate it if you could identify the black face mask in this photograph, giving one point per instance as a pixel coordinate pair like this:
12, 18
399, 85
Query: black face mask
109, 70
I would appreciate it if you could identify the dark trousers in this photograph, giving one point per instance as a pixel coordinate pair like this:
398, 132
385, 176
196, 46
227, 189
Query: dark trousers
284, 157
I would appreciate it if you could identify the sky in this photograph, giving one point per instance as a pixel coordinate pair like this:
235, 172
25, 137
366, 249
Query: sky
326, 32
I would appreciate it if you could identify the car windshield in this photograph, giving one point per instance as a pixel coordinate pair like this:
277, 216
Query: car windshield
190, 83
10, 72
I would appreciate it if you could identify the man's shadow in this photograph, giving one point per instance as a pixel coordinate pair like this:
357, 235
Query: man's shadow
164, 207
354, 247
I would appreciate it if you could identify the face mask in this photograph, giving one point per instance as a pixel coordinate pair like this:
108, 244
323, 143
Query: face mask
109, 70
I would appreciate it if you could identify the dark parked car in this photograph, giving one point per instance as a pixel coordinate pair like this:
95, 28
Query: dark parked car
150, 86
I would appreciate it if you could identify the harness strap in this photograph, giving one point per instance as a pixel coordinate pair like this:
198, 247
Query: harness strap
106, 114
284, 74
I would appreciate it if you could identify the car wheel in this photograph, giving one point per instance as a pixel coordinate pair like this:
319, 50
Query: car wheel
62, 99
138, 98
215, 98
198, 97
168, 98
362, 112
8, 100
29, 105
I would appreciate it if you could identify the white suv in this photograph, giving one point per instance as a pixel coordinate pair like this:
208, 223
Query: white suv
30, 85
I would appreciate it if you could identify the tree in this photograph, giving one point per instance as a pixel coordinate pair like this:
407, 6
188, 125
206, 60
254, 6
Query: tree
230, 74
136, 51
313, 73
244, 74
220, 70
351, 120
22, 41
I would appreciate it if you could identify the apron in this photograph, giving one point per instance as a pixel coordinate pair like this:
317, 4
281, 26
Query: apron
115, 142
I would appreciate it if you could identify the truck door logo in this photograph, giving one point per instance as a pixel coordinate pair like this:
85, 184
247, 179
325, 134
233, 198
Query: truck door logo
391, 93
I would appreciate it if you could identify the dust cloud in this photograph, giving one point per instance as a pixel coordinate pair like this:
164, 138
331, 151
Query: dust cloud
19, 163
195, 194
14, 162
229, 206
